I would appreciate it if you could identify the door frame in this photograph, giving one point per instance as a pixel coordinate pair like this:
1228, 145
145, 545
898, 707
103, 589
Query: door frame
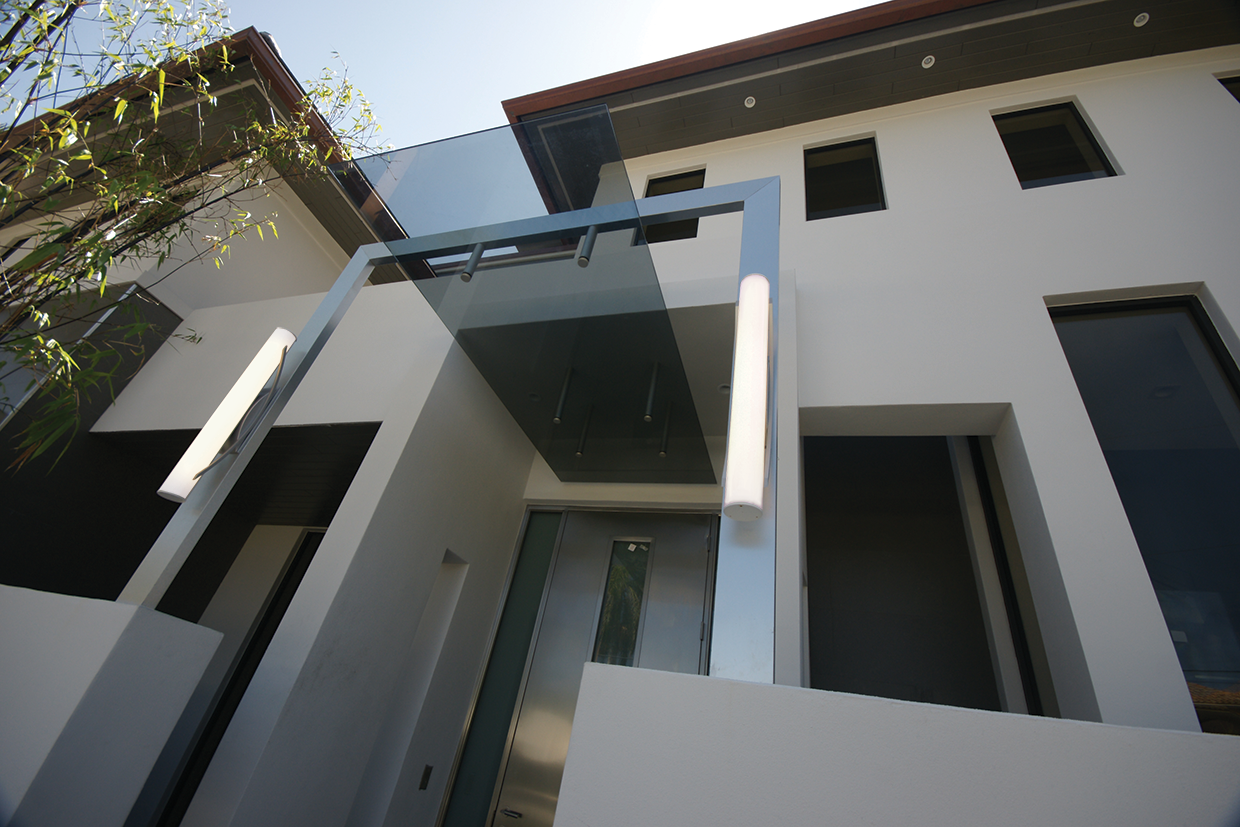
565, 510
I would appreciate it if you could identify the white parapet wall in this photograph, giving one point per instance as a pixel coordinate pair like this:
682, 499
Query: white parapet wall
655, 748
89, 692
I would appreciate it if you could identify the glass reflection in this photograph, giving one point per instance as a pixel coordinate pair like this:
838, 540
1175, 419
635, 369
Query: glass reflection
528, 315
619, 620
1168, 420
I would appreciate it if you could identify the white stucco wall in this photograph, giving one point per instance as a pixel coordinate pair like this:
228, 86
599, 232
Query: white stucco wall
389, 333
939, 300
89, 691
296, 257
446, 472
692, 750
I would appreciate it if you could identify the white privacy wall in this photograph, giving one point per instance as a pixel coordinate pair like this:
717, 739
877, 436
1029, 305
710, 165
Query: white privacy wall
939, 300
89, 692
689, 750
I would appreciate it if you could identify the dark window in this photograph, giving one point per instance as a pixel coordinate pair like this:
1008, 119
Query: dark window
1161, 392
1051, 145
1231, 85
842, 179
672, 230
893, 603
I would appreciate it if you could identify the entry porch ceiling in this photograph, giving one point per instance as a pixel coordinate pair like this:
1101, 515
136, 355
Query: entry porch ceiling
872, 58
585, 359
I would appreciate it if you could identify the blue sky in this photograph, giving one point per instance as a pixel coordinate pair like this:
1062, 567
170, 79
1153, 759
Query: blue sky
434, 70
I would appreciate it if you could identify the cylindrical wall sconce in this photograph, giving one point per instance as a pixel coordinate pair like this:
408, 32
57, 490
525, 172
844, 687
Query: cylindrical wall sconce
744, 468
227, 416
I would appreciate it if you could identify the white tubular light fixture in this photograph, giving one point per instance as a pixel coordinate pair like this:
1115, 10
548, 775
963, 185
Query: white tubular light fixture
203, 450
744, 470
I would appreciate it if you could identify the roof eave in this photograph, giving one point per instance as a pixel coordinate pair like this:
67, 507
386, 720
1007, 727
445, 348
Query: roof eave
847, 24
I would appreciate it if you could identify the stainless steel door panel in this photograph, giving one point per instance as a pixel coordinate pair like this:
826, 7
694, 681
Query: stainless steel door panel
540, 743
671, 633
672, 629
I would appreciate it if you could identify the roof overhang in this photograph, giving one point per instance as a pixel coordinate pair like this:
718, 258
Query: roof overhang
872, 58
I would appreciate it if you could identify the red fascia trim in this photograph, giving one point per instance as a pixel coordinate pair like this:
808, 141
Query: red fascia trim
854, 22
253, 45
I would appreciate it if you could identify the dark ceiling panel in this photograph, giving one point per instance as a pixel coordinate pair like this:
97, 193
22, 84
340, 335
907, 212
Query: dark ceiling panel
298, 476
973, 47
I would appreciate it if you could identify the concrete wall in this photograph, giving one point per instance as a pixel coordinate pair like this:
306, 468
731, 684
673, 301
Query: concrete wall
89, 691
691, 750
939, 300
446, 472
298, 257
388, 333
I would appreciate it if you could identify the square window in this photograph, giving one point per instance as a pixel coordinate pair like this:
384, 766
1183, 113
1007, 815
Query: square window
842, 179
1051, 145
673, 230
1232, 85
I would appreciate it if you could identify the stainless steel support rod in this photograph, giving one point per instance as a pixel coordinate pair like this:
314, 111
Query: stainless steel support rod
559, 409
654, 380
585, 247
585, 428
472, 264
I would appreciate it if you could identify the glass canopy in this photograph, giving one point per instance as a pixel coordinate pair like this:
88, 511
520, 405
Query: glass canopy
583, 357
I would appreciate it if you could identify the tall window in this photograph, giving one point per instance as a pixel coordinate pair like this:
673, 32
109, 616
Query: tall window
1051, 145
1161, 392
842, 179
673, 230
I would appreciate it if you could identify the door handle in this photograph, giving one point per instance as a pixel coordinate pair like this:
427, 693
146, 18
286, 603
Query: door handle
510, 813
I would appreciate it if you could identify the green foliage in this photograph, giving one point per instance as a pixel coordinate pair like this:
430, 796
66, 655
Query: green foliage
139, 148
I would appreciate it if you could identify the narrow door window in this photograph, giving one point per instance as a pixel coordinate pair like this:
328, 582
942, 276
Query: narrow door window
619, 622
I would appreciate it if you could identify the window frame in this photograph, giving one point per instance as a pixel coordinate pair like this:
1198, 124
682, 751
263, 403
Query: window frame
1212, 336
1109, 167
672, 230
1232, 84
847, 143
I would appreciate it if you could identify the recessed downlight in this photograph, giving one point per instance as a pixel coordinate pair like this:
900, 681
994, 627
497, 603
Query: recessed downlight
927, 61
1140, 20
751, 102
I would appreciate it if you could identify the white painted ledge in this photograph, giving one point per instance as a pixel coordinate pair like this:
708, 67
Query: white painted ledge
688, 750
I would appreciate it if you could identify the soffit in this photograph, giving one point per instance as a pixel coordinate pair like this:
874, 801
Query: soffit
318, 191
976, 46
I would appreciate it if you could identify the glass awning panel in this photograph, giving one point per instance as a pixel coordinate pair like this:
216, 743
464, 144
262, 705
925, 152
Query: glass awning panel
584, 358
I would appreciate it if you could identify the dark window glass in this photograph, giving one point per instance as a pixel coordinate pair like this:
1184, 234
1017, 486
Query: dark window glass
672, 230
893, 602
842, 179
1161, 394
1051, 145
1231, 85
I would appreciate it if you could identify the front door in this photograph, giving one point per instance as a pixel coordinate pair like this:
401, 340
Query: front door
625, 588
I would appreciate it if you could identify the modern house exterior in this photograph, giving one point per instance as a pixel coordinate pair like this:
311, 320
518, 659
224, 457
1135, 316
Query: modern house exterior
470, 562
